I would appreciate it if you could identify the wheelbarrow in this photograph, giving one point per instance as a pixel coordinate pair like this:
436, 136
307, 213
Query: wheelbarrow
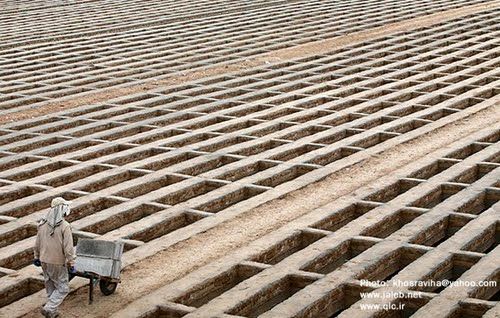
100, 262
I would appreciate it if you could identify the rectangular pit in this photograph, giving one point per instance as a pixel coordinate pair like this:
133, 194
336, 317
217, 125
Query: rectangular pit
18, 260
433, 169
308, 131
260, 147
391, 264
123, 218
335, 302
15, 138
149, 114
238, 126
38, 144
93, 154
76, 175
470, 310
170, 161
249, 110
69, 125
451, 269
391, 224
292, 244
91, 207
208, 165
437, 196
230, 199
219, 106
32, 207
109, 181
224, 144
332, 259
474, 174
408, 126
494, 159
216, 286
70, 148
20, 290
193, 139
17, 163
293, 153
378, 122
159, 136
35, 123
271, 296
487, 241
285, 176
17, 194
168, 225
164, 312
464, 103
489, 293
494, 137
392, 191
35, 172
467, 151
376, 107
135, 156
123, 133
144, 188
346, 133
340, 120
245, 171
340, 218
190, 192
19, 234
332, 156
482, 202
407, 111
373, 140
95, 129
190, 103
175, 119
279, 113
311, 116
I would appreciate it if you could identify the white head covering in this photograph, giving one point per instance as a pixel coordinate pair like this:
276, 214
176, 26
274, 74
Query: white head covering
59, 209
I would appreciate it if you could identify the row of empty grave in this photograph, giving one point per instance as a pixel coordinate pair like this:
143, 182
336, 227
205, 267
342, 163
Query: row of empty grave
435, 219
158, 167
83, 47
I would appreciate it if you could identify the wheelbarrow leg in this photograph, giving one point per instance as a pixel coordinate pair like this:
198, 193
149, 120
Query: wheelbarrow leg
91, 290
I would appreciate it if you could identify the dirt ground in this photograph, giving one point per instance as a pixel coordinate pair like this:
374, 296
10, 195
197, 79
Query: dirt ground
278, 55
143, 277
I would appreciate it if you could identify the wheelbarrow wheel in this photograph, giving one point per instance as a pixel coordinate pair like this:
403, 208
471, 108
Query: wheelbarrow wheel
107, 287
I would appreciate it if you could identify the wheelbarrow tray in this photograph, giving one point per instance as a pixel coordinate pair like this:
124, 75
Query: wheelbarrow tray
100, 262
102, 258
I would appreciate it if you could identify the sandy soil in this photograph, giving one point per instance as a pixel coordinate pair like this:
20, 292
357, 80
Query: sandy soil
143, 277
107, 94
304, 50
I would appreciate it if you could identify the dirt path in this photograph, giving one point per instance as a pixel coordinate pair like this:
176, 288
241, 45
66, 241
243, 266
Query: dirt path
304, 50
141, 278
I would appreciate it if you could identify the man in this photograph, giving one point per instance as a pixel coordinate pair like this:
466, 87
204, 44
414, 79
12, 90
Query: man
55, 253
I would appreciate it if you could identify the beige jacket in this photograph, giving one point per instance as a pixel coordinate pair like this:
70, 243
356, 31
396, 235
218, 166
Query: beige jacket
57, 248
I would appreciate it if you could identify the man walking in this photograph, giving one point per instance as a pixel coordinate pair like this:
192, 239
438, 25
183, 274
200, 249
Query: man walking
54, 252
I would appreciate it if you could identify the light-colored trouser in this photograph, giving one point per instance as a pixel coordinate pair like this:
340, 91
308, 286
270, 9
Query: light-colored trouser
56, 284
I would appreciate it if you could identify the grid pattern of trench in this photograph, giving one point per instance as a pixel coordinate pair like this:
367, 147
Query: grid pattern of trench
433, 220
143, 166
144, 42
